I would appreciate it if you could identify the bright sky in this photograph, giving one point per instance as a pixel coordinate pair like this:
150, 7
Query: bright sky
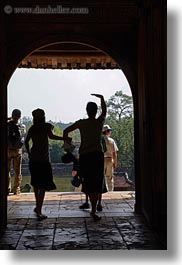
63, 94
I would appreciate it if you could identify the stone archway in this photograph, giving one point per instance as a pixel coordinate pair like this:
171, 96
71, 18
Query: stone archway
73, 55
133, 33
29, 49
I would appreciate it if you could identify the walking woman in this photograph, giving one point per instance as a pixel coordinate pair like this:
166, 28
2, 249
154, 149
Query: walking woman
39, 165
91, 159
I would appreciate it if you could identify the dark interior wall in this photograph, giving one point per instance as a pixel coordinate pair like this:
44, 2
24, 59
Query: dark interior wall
134, 34
153, 111
3, 121
108, 26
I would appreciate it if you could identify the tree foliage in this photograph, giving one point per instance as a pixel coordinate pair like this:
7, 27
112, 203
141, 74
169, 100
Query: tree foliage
120, 106
120, 118
55, 146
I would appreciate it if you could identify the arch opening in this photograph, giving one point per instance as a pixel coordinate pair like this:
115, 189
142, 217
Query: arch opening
39, 60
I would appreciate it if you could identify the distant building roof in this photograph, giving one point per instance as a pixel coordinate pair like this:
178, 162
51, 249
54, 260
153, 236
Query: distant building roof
68, 56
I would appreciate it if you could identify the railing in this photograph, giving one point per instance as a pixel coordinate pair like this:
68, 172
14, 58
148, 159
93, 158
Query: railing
63, 170
59, 169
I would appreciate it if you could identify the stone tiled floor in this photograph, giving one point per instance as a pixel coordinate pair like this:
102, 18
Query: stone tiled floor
69, 228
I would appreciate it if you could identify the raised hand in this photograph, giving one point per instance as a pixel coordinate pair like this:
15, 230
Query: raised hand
97, 95
103, 104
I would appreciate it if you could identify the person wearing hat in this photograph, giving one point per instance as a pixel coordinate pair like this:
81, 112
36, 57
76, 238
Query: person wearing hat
16, 132
110, 157
39, 164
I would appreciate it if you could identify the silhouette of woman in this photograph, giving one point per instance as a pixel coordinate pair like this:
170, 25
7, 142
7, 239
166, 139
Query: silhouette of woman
39, 165
91, 160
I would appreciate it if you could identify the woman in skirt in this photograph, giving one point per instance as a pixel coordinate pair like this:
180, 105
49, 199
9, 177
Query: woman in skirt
91, 160
39, 165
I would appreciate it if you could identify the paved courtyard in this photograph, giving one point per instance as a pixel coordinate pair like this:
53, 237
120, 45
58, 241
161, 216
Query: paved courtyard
69, 228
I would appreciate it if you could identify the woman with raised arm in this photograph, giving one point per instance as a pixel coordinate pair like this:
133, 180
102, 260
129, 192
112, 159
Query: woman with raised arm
91, 158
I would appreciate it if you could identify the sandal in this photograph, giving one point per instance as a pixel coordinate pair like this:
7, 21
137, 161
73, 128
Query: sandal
95, 217
41, 217
99, 208
35, 211
84, 206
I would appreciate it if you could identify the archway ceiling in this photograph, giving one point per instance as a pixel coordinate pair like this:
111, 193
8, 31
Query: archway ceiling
68, 56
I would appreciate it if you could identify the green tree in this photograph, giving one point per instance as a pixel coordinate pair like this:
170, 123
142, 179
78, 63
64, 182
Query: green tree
55, 146
120, 118
27, 121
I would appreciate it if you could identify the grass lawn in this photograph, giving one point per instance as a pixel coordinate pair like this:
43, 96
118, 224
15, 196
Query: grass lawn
62, 184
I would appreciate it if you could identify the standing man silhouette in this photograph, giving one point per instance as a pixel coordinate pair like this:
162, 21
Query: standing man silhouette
16, 132
110, 157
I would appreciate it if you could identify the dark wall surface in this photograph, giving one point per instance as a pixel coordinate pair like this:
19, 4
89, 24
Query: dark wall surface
134, 34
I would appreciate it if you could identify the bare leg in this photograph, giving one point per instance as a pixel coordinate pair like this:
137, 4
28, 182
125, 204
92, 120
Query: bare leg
99, 205
85, 205
37, 209
86, 198
99, 199
93, 199
39, 196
